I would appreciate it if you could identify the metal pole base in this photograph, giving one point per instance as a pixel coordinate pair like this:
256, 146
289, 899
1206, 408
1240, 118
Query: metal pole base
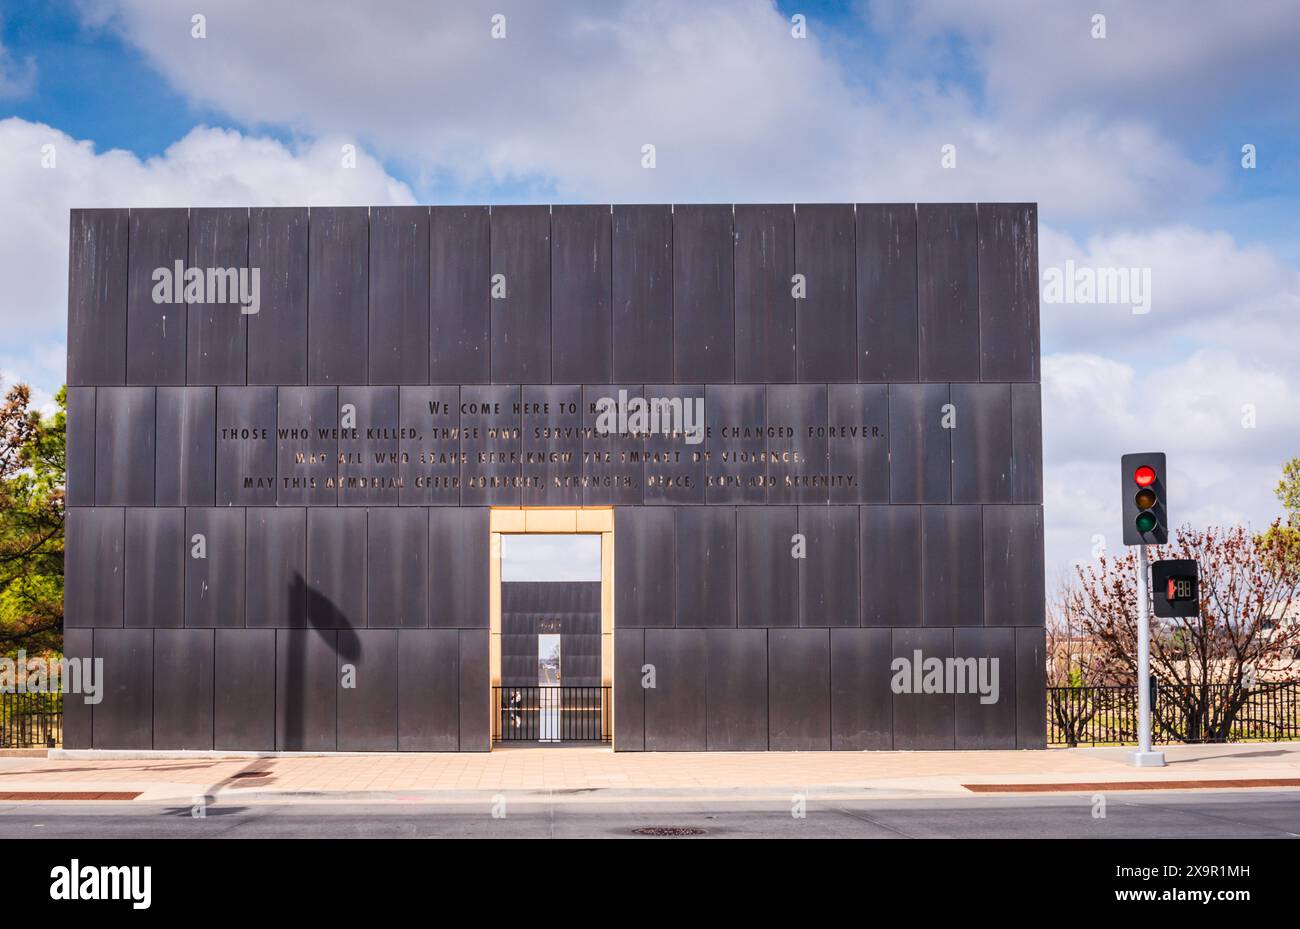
1146, 759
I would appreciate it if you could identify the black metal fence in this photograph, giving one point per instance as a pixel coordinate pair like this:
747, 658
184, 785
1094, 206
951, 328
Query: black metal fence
33, 720
552, 714
1179, 713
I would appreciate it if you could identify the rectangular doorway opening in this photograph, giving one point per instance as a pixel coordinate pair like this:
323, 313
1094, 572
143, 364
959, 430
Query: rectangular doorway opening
552, 639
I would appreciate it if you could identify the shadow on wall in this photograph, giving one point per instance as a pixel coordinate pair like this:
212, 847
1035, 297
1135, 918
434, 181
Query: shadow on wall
326, 621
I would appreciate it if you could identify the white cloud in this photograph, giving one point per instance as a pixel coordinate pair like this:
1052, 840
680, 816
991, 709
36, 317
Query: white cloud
1173, 60
737, 109
1096, 409
1206, 289
208, 167
1220, 336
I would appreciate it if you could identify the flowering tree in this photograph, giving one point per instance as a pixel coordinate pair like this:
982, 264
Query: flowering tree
1204, 665
31, 524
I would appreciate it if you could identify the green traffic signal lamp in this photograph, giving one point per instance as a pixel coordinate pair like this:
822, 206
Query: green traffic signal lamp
1145, 522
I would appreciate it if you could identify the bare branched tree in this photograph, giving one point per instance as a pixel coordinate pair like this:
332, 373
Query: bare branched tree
1204, 665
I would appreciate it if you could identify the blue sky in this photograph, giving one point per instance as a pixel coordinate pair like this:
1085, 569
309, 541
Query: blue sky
1130, 143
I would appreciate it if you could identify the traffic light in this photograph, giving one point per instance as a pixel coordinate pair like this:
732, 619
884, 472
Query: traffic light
1175, 587
1142, 479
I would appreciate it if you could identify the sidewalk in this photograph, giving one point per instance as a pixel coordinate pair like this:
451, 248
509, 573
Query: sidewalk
589, 773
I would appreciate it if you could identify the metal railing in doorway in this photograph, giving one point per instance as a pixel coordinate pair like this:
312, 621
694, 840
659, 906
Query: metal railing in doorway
552, 714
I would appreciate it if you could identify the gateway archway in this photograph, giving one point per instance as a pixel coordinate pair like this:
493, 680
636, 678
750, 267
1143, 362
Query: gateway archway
551, 624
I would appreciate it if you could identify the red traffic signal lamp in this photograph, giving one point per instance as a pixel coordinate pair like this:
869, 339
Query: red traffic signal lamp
1142, 482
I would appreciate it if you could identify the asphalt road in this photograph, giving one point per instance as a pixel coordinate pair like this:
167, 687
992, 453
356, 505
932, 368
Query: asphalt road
1155, 814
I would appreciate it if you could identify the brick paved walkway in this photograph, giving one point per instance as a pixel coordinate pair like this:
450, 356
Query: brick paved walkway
583, 768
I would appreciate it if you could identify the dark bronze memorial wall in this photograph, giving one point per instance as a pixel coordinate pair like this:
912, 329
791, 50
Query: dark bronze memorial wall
258, 500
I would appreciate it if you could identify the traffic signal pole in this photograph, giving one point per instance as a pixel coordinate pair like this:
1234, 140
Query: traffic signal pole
1146, 520
1144, 757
